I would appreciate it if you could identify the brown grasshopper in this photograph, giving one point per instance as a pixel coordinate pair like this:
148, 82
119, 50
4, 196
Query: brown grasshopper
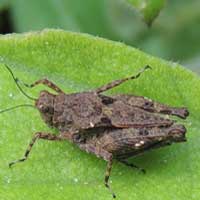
111, 127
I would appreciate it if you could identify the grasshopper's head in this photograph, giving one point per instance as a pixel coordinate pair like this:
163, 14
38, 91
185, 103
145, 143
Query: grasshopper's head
45, 104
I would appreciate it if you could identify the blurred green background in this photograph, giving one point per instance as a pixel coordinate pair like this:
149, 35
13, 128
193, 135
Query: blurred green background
174, 35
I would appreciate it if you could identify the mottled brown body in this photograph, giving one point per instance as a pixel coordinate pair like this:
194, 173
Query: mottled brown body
112, 127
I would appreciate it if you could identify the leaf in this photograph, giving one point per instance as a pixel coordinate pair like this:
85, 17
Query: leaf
59, 170
149, 8
106, 18
116, 20
67, 14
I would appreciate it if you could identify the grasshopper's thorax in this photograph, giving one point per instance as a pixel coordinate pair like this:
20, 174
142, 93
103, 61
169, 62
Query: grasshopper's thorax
45, 104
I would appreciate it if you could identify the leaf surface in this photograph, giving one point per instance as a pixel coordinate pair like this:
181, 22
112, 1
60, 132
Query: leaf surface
59, 170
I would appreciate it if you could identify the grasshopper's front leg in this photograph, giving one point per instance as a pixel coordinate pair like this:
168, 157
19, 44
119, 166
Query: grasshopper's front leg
45, 82
38, 135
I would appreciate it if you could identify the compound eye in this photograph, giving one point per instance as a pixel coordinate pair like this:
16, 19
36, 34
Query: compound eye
44, 109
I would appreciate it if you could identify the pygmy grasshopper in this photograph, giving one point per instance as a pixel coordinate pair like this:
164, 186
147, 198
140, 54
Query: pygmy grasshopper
111, 127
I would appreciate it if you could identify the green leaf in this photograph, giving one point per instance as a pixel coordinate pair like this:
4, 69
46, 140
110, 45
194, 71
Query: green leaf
106, 18
149, 8
69, 14
59, 170
4, 4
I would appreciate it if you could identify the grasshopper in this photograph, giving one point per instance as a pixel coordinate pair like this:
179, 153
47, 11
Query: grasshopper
111, 127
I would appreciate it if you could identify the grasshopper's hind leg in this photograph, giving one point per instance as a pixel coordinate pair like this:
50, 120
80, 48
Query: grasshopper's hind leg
125, 162
38, 135
106, 156
120, 81
107, 176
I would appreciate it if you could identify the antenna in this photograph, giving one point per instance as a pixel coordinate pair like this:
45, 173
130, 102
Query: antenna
16, 82
14, 107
